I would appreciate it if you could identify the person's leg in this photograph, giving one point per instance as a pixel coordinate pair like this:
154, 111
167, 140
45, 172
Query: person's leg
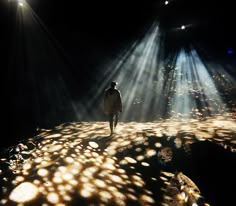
116, 119
111, 117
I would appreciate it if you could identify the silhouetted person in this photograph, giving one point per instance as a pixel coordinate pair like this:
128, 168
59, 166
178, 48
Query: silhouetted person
112, 105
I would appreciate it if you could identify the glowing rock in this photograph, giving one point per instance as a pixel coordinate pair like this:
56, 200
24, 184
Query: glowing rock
24, 192
53, 198
93, 145
54, 148
130, 160
42, 172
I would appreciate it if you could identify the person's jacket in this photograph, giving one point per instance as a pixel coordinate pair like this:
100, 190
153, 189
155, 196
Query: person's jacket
112, 101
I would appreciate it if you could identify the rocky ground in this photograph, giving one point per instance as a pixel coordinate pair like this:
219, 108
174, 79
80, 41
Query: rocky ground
169, 162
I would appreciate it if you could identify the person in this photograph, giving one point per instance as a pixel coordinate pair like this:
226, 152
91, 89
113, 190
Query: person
112, 105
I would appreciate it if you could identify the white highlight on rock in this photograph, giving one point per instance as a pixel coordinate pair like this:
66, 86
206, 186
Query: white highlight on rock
24, 192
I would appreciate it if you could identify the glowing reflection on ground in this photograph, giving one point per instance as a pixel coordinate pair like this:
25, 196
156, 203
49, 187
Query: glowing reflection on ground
78, 163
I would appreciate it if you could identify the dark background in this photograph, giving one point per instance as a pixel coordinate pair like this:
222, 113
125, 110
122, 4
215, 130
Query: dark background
105, 25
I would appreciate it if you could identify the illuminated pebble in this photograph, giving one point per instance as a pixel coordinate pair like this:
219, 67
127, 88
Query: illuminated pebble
38, 160
168, 174
90, 171
57, 180
148, 192
24, 192
46, 156
168, 198
88, 154
45, 163
73, 182
75, 171
67, 176
41, 189
84, 179
125, 143
3, 201
140, 157
121, 171
124, 176
67, 198
68, 187
145, 164
138, 184
61, 188
53, 136
108, 166
119, 195
51, 189
150, 152
87, 151
109, 160
154, 179
25, 173
42, 172
123, 162
85, 193
158, 145
130, 160
16, 171
111, 151
105, 196
26, 166
163, 178
19, 178
69, 160
132, 197
53, 198
104, 173
233, 141
100, 183
93, 145
116, 178
36, 182
131, 190
136, 177
47, 183
178, 142
87, 190
138, 149
181, 196
147, 198
94, 154
62, 169
57, 174
14, 182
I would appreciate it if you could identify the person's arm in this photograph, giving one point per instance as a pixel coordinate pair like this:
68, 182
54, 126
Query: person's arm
120, 102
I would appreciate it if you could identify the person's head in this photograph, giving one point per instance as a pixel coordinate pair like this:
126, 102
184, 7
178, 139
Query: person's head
113, 84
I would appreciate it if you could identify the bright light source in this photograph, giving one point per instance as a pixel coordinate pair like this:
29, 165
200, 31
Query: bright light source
20, 3
183, 27
166, 2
